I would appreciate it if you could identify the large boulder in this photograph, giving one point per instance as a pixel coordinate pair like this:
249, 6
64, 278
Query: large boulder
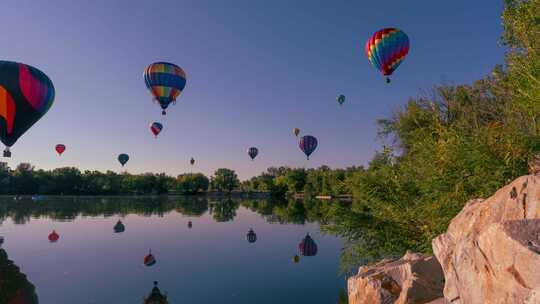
413, 279
491, 250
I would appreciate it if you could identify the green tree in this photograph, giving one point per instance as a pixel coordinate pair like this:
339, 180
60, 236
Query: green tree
192, 183
225, 180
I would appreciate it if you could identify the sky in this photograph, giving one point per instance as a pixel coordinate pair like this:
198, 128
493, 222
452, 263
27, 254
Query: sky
255, 70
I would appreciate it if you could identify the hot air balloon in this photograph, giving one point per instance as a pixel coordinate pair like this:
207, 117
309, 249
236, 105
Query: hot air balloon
251, 236
296, 131
165, 81
60, 148
119, 227
53, 237
156, 297
192, 161
296, 258
123, 159
149, 260
308, 144
386, 49
189, 224
340, 99
308, 247
26, 94
253, 152
156, 127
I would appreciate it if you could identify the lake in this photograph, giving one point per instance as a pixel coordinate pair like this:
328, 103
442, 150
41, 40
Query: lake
211, 262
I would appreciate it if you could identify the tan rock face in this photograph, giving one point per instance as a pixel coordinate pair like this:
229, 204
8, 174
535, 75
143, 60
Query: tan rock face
413, 279
491, 250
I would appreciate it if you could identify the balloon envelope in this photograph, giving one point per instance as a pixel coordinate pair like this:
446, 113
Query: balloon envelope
60, 148
156, 127
253, 152
340, 99
296, 131
386, 49
26, 94
251, 236
308, 144
308, 247
123, 159
165, 81
53, 237
192, 161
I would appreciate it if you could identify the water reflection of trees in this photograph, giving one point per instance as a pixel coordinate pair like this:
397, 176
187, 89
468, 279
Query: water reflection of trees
224, 210
14, 286
68, 208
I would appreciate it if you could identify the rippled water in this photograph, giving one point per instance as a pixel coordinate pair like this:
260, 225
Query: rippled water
212, 262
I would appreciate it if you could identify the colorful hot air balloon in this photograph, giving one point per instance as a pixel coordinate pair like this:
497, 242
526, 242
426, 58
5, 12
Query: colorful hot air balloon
165, 81
308, 144
192, 161
60, 148
296, 131
149, 260
251, 236
340, 99
156, 127
119, 227
308, 247
386, 49
296, 258
253, 152
53, 237
123, 159
26, 94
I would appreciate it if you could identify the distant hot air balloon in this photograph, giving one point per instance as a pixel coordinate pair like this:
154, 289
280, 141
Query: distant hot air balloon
386, 49
156, 127
296, 131
123, 159
149, 260
308, 247
296, 258
26, 94
60, 148
53, 237
308, 144
253, 152
340, 99
165, 81
192, 161
189, 224
119, 227
1, 240
251, 236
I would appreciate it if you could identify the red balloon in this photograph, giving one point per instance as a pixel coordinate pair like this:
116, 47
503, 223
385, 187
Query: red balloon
53, 237
60, 148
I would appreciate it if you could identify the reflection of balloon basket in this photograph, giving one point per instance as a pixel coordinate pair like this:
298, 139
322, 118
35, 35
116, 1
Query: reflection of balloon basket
7, 153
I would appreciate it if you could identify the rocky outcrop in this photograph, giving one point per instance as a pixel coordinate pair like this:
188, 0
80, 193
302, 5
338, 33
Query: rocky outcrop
14, 286
413, 279
491, 250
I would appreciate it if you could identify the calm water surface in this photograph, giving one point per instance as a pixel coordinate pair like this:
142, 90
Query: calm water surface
210, 263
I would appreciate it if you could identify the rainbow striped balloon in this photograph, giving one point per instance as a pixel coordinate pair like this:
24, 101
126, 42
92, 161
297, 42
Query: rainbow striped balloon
165, 81
386, 49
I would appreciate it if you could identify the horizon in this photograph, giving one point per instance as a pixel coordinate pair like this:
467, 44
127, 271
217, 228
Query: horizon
237, 94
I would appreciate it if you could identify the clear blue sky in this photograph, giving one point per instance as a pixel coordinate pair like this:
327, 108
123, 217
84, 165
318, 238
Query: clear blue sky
256, 69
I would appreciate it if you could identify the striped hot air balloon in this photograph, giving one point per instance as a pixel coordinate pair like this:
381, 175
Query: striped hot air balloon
251, 236
308, 247
156, 127
253, 152
165, 81
308, 144
386, 49
26, 94
60, 148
